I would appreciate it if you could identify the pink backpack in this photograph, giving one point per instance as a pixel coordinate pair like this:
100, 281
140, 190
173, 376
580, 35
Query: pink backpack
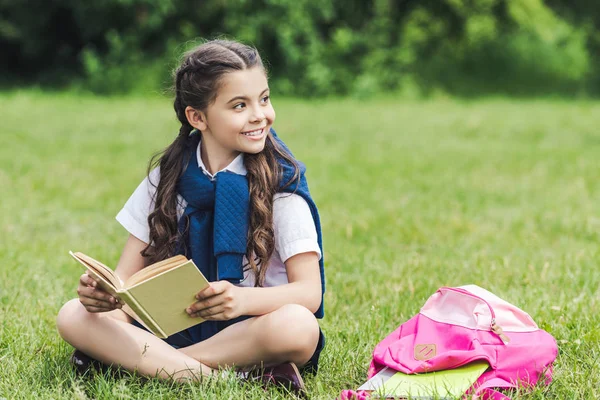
464, 324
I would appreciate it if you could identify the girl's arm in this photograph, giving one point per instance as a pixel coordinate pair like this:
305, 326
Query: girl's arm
131, 260
224, 301
304, 288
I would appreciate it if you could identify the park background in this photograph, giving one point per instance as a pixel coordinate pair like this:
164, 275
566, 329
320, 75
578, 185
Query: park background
447, 142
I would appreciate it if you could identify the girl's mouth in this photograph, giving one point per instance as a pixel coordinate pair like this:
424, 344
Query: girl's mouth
255, 134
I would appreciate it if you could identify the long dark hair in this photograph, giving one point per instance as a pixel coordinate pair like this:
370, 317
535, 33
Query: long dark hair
196, 84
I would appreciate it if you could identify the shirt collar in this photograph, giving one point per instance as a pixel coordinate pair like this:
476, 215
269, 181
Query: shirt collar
236, 166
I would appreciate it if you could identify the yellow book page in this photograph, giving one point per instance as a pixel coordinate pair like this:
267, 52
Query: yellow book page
166, 296
449, 383
108, 280
154, 269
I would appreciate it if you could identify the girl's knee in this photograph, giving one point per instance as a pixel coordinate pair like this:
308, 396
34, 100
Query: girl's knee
295, 329
71, 317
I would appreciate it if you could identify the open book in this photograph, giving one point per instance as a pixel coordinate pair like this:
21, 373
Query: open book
155, 296
446, 384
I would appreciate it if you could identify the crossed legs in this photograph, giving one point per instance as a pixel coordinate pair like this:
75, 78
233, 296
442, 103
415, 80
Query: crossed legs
290, 333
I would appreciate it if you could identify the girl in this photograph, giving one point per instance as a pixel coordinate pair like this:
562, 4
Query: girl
228, 194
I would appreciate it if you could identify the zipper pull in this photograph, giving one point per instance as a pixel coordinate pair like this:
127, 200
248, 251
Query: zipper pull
498, 331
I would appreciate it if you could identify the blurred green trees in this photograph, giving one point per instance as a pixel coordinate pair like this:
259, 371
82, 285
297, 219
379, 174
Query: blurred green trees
313, 47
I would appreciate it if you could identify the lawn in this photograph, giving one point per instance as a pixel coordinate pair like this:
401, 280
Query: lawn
413, 196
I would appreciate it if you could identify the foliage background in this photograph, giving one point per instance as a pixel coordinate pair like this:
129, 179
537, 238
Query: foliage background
314, 47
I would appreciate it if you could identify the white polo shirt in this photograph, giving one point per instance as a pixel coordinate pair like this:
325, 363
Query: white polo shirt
293, 225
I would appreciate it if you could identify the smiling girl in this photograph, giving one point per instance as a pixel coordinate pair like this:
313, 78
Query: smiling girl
228, 194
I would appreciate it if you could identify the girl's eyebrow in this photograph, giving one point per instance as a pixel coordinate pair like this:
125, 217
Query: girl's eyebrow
245, 97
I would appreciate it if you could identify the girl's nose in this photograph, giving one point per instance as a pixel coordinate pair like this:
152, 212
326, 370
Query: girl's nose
258, 115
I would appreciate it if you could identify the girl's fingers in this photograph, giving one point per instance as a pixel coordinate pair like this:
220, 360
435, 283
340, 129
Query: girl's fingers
208, 313
93, 309
214, 317
203, 304
87, 301
94, 293
91, 296
214, 289
87, 280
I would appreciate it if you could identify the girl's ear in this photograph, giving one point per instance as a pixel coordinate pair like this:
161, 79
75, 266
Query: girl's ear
196, 118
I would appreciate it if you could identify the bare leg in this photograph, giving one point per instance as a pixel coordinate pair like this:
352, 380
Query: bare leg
110, 338
290, 333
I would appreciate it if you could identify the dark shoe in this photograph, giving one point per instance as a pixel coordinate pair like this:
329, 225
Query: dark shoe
285, 375
83, 364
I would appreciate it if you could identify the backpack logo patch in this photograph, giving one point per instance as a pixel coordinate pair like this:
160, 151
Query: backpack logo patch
425, 351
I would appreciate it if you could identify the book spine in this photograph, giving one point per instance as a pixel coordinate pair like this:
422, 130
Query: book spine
140, 313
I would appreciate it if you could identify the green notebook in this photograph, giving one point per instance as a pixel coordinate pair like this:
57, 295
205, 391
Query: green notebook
446, 384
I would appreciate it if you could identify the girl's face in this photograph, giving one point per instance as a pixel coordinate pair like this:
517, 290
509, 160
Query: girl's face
240, 117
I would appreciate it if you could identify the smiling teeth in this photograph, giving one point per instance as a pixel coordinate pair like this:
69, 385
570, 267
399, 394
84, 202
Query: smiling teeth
253, 133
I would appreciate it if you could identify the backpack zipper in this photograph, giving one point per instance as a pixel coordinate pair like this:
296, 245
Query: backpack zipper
494, 327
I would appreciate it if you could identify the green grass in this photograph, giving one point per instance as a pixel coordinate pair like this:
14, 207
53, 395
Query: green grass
413, 196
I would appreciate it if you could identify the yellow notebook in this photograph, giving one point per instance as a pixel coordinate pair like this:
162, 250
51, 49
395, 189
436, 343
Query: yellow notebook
446, 384
155, 296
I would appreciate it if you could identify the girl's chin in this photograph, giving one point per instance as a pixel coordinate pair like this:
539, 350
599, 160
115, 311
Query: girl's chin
253, 148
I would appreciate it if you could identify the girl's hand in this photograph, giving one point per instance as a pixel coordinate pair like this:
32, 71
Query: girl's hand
93, 298
221, 301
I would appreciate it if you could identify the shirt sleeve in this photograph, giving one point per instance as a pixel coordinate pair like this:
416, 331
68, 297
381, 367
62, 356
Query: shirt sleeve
293, 225
134, 214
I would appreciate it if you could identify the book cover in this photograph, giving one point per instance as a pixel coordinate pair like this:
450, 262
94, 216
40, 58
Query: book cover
165, 297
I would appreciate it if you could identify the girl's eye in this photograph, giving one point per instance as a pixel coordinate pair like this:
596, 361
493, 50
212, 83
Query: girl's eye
239, 106
265, 99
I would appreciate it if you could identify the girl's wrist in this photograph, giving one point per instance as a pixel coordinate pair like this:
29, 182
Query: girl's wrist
243, 301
